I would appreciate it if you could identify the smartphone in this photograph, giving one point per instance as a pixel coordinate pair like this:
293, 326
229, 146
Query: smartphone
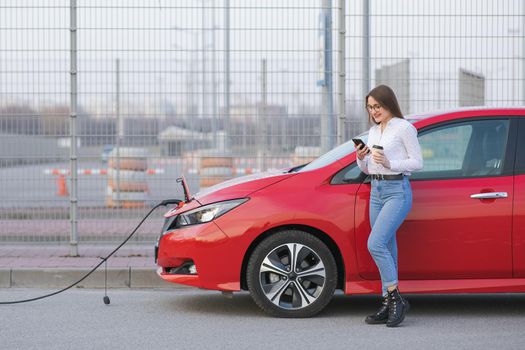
358, 143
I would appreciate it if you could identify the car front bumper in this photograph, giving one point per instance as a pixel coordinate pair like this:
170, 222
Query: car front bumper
207, 248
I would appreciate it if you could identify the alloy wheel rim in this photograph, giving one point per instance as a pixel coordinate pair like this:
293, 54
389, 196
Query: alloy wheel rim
292, 276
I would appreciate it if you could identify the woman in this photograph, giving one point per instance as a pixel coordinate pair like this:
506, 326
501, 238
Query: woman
391, 196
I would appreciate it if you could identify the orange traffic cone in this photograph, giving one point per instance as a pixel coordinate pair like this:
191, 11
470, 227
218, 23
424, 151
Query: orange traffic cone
62, 186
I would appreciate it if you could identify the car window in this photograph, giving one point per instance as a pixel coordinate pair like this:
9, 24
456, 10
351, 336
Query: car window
467, 149
350, 174
445, 149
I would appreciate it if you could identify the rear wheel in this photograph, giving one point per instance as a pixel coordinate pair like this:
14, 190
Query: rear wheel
292, 274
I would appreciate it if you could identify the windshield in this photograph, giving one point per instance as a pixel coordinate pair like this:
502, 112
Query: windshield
334, 155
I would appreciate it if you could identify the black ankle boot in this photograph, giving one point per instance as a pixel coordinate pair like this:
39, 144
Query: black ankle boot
381, 316
397, 308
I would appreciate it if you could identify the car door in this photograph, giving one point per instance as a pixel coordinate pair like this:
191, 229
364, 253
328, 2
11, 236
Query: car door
518, 227
461, 220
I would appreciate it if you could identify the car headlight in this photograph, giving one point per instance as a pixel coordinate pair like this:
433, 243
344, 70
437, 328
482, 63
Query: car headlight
207, 213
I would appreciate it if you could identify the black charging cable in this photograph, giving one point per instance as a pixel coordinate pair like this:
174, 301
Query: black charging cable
106, 298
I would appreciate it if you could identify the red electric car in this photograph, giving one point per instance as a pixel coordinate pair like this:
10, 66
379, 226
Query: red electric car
292, 237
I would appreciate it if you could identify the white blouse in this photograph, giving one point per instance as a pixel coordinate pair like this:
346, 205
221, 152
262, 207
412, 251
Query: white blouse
401, 147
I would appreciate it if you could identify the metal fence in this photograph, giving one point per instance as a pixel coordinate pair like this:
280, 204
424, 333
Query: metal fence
104, 103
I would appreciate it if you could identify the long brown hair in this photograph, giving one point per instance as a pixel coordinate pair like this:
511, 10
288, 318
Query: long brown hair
386, 98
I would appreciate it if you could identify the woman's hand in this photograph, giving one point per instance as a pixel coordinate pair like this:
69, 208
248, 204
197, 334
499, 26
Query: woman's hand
362, 152
380, 158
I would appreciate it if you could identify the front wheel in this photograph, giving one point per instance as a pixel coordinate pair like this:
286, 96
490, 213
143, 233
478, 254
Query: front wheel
292, 274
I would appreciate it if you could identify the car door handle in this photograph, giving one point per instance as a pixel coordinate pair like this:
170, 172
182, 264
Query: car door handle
489, 195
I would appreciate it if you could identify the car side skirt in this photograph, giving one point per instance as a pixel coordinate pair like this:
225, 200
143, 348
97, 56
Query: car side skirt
508, 285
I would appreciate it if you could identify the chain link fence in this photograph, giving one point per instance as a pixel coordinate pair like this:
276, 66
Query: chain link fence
104, 104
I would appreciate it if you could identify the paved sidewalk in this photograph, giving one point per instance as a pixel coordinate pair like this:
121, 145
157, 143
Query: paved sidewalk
34, 255
51, 266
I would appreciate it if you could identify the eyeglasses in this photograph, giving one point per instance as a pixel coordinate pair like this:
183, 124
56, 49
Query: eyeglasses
375, 108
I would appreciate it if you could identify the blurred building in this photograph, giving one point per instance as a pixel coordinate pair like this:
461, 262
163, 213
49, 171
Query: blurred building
255, 126
397, 76
174, 141
471, 88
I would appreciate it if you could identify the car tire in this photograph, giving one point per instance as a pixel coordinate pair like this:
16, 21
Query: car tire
279, 290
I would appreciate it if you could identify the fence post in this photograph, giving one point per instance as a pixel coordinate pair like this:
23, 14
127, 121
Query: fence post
73, 198
120, 127
227, 106
366, 47
523, 54
342, 74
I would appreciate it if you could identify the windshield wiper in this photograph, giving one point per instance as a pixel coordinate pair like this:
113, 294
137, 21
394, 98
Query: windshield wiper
297, 168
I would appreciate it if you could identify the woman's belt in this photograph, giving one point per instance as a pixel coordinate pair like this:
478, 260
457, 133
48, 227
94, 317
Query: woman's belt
387, 177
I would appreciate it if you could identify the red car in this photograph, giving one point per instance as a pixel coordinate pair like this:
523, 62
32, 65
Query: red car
291, 238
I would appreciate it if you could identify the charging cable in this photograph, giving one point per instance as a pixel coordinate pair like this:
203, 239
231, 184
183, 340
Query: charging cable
104, 260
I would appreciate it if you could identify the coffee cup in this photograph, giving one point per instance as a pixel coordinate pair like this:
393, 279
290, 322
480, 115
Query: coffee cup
376, 149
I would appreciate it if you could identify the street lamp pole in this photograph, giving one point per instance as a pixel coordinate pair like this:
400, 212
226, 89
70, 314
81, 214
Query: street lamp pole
190, 80
327, 113
203, 110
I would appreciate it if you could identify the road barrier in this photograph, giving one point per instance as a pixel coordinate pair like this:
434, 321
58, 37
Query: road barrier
215, 169
138, 183
94, 171
127, 186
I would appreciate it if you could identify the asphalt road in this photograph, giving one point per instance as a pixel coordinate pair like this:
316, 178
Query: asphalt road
195, 319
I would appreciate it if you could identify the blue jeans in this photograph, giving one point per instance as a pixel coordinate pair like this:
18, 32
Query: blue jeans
390, 202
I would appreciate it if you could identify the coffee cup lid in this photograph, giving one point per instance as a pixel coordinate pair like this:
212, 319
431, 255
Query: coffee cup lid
377, 146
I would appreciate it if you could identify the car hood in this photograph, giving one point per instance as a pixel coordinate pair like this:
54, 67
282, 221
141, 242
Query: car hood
241, 186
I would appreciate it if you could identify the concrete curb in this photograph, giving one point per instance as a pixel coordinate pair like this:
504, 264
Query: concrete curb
63, 277
5, 278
